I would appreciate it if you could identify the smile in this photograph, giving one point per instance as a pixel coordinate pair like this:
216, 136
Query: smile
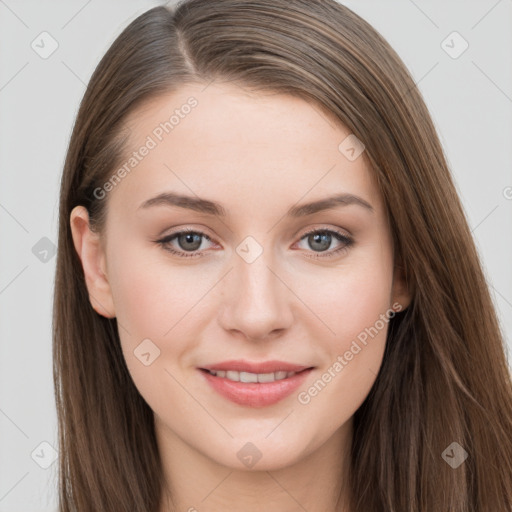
251, 377
254, 389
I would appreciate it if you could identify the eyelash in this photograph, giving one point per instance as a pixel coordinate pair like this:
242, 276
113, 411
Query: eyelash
348, 242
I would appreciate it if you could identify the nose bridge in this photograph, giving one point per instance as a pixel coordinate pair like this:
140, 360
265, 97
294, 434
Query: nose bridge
257, 282
256, 302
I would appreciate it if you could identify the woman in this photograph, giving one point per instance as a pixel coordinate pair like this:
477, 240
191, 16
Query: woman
256, 368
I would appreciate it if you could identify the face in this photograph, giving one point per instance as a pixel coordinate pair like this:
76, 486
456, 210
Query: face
229, 271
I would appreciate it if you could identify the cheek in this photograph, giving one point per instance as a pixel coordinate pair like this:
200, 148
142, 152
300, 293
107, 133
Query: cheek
155, 310
150, 294
160, 301
353, 309
349, 298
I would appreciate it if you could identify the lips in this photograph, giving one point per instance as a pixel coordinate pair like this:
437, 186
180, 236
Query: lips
255, 384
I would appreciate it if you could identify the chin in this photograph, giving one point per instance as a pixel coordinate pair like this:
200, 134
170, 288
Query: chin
258, 455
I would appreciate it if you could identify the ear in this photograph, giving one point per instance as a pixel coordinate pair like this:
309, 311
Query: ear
401, 294
90, 251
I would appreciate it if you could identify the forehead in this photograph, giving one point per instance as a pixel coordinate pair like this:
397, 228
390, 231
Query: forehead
224, 142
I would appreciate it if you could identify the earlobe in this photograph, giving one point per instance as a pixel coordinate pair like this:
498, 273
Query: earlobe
88, 247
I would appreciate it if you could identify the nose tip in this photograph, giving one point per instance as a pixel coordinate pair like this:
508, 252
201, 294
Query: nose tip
256, 302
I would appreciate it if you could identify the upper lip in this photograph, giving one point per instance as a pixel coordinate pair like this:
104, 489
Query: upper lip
253, 367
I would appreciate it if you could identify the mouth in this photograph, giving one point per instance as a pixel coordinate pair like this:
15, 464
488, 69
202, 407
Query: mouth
249, 377
255, 389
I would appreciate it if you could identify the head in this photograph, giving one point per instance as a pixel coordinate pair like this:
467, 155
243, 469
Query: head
236, 108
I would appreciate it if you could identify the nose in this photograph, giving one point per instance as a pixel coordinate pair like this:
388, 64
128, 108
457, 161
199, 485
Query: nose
256, 300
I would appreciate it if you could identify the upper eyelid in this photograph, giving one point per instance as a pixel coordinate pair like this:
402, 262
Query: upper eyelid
200, 231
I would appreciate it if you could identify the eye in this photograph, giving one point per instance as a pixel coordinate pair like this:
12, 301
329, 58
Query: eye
190, 241
321, 239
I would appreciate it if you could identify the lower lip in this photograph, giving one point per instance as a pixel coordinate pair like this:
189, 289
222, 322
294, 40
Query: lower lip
256, 394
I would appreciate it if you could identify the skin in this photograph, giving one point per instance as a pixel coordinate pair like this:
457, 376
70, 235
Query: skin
257, 155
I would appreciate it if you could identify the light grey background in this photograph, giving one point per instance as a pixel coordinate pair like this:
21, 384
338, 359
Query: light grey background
470, 98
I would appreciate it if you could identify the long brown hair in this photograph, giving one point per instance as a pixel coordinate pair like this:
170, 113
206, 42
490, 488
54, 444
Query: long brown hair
444, 376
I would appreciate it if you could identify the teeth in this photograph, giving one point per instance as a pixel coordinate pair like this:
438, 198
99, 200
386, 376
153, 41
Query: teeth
248, 377
251, 377
266, 377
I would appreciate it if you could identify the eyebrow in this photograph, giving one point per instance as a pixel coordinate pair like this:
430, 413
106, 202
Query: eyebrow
212, 208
